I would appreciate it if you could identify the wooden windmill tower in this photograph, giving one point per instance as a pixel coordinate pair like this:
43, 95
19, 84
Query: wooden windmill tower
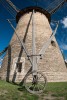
33, 47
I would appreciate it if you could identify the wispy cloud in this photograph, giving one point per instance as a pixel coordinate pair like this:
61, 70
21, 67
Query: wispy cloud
63, 46
0, 66
64, 22
66, 60
52, 24
1, 59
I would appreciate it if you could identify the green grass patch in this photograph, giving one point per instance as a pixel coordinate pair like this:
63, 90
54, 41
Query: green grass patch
57, 89
9, 91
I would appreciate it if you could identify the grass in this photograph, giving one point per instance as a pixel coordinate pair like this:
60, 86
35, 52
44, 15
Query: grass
58, 90
8, 91
13, 92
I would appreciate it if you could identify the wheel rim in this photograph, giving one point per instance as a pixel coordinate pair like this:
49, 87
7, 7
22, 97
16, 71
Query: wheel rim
35, 85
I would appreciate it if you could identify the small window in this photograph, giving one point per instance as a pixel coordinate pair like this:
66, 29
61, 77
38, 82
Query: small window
19, 66
53, 43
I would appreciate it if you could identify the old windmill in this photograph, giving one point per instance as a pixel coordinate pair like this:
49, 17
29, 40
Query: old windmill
33, 52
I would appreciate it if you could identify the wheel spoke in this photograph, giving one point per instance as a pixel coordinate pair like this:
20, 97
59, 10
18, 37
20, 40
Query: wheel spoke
36, 86
41, 85
40, 77
30, 79
30, 86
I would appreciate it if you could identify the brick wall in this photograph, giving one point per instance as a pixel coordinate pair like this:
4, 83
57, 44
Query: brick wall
52, 65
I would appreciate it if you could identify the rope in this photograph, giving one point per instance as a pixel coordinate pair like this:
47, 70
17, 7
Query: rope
1, 53
8, 8
54, 5
12, 5
51, 4
8, 4
12, 9
57, 7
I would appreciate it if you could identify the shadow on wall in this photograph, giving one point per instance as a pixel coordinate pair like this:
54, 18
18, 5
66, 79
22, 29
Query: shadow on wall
9, 64
21, 51
19, 57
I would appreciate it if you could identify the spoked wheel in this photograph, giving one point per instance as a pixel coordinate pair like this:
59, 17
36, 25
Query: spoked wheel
35, 83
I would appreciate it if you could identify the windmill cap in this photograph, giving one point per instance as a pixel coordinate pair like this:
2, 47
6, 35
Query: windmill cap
30, 9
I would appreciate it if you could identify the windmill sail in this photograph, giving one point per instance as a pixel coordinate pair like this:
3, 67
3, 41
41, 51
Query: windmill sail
10, 7
55, 5
50, 6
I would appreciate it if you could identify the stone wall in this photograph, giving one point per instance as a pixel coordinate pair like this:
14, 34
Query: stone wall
51, 65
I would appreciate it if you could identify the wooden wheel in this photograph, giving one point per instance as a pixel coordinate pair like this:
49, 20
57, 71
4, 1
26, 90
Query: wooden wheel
35, 83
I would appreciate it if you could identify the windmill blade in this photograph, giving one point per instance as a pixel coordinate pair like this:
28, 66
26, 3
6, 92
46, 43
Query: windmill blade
12, 5
8, 8
55, 5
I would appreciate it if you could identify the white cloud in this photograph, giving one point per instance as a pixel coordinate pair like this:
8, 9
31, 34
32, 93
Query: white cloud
52, 24
1, 59
64, 22
63, 46
0, 66
66, 60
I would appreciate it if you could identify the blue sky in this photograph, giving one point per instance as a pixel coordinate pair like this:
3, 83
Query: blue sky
6, 31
